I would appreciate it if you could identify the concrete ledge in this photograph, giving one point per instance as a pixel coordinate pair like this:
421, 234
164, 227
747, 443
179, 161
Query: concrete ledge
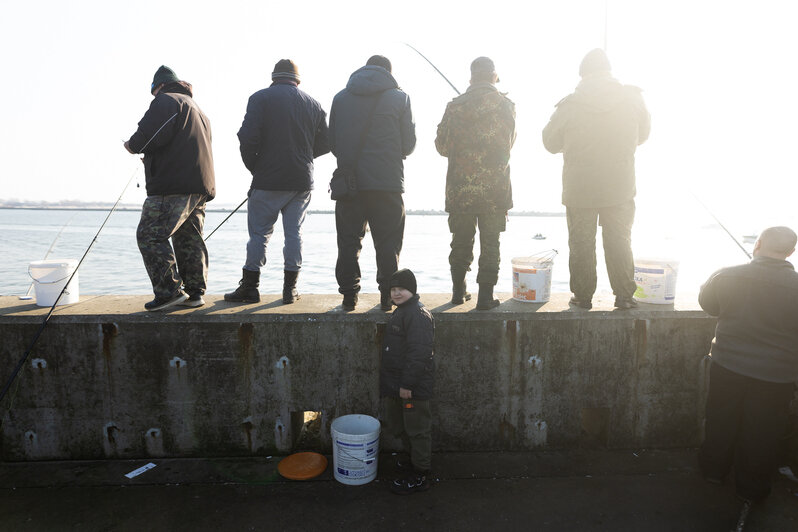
107, 380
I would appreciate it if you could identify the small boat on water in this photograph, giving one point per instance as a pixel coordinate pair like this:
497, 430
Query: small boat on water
749, 239
538, 236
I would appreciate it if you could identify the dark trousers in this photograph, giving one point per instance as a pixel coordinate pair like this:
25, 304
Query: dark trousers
463, 228
179, 218
385, 214
746, 419
413, 426
616, 231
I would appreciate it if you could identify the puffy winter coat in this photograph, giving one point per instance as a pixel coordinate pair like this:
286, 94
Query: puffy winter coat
284, 129
178, 158
406, 360
391, 136
598, 129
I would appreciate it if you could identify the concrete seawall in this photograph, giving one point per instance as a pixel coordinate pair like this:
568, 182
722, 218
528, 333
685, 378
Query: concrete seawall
107, 380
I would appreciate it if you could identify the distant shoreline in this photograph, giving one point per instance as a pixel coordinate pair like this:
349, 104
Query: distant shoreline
129, 207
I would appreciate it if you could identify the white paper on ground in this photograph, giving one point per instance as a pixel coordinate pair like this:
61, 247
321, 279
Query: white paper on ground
142, 469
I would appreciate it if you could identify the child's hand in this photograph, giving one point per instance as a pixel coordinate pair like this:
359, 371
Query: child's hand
404, 393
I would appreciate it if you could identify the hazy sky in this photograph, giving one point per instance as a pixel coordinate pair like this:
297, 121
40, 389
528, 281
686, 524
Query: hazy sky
717, 77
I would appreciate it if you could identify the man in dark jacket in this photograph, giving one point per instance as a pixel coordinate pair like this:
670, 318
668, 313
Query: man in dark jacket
175, 137
598, 129
754, 364
390, 137
406, 381
476, 134
284, 129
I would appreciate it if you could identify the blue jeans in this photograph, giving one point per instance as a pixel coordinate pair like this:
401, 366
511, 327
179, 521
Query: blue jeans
263, 208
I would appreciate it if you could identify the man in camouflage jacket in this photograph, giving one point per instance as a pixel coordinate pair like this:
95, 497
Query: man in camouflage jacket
476, 134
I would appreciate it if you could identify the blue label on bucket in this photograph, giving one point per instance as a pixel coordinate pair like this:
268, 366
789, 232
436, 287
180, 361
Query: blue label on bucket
659, 271
353, 445
344, 472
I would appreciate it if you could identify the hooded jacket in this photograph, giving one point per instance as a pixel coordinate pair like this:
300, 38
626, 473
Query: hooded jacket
407, 349
284, 129
391, 135
757, 309
178, 158
598, 129
476, 134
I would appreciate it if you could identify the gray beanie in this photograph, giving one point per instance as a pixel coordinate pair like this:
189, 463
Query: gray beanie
594, 62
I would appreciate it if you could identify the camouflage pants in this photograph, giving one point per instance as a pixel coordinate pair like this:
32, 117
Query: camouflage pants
616, 232
179, 217
463, 227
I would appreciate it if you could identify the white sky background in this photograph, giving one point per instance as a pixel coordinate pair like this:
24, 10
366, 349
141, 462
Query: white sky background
717, 76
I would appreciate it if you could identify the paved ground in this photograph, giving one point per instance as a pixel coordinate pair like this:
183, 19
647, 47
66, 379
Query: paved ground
575, 490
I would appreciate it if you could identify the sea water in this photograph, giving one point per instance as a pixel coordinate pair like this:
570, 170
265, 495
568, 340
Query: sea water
114, 265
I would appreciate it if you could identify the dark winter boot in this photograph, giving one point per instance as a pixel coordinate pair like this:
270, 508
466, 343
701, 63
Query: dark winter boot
289, 287
485, 299
459, 293
247, 291
386, 303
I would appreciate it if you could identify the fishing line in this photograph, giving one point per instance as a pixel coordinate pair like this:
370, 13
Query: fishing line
228, 217
46, 320
721, 225
436, 68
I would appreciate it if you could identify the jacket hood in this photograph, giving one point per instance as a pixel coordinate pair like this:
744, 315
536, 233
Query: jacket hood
601, 93
369, 80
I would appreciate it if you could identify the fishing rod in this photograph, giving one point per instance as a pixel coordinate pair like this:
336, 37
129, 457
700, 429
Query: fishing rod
27, 295
46, 320
721, 225
436, 68
57, 299
228, 217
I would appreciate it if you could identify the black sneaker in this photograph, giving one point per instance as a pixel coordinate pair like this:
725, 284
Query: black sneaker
160, 303
584, 303
625, 303
403, 465
194, 300
410, 484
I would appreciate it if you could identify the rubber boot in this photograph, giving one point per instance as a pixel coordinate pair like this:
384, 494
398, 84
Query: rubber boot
485, 299
247, 291
459, 293
289, 287
386, 303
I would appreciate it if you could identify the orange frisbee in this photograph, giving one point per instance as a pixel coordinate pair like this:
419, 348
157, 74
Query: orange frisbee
302, 466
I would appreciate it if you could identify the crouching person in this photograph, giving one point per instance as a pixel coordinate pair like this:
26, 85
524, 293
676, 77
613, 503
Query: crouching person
406, 382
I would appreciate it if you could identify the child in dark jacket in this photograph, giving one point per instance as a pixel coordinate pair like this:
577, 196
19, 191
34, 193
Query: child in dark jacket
406, 382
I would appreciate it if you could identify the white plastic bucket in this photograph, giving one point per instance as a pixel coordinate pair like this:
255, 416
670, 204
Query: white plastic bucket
49, 278
656, 281
356, 443
532, 278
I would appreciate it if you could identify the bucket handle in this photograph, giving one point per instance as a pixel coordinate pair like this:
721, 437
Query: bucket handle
47, 282
367, 461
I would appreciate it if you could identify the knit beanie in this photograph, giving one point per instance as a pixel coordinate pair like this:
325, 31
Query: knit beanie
286, 69
380, 61
482, 68
163, 75
594, 62
404, 278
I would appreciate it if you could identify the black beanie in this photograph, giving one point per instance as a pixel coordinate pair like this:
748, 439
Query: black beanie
594, 62
404, 278
380, 61
286, 69
163, 75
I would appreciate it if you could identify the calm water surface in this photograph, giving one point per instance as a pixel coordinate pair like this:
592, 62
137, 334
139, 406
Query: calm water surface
114, 265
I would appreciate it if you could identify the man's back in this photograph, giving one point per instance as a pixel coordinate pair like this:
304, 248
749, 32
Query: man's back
476, 134
283, 130
391, 135
598, 128
757, 309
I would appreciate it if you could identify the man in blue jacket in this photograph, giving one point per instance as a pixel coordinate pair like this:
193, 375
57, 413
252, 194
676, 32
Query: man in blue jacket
284, 129
754, 364
389, 138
